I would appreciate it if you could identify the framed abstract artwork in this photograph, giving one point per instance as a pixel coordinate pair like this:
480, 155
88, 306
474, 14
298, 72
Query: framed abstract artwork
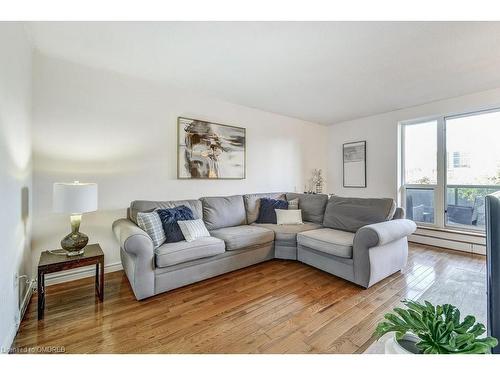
354, 159
207, 150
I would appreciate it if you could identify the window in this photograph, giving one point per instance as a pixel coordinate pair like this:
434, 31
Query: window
420, 170
420, 204
475, 171
420, 153
449, 164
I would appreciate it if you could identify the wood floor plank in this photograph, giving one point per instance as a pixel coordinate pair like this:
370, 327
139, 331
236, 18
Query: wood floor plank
275, 307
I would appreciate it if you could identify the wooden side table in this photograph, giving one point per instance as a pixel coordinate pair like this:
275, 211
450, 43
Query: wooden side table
50, 262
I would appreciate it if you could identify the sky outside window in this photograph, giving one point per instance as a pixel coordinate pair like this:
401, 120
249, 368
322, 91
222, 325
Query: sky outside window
473, 149
420, 148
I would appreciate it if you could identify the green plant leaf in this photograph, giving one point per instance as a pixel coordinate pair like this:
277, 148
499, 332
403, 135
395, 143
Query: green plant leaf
414, 305
466, 324
417, 319
477, 330
456, 317
439, 310
394, 319
430, 307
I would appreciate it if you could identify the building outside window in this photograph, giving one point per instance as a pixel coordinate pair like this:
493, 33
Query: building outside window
461, 160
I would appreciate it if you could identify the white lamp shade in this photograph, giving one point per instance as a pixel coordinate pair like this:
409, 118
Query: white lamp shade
74, 197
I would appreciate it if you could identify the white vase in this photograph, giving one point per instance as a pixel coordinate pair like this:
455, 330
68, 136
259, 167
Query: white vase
392, 346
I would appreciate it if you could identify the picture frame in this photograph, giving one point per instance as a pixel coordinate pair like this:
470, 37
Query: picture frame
354, 164
210, 151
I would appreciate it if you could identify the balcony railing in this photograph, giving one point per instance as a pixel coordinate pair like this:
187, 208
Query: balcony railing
465, 205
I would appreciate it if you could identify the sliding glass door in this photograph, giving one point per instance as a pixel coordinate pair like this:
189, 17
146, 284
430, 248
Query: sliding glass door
472, 167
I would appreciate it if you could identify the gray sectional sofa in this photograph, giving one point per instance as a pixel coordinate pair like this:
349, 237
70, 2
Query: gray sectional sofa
360, 240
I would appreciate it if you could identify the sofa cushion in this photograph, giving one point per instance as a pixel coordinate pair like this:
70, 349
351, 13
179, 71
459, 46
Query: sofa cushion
169, 218
287, 234
330, 241
170, 254
312, 205
150, 206
350, 214
252, 204
243, 236
221, 212
267, 214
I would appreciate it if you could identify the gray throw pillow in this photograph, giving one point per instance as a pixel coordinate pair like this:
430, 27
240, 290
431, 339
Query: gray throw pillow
293, 204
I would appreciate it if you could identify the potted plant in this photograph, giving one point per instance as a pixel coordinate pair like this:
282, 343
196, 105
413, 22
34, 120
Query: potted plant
428, 329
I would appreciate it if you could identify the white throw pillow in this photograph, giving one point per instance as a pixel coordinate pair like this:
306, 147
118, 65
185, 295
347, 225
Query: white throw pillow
288, 217
193, 229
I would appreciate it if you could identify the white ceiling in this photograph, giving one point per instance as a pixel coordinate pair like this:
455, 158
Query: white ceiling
324, 72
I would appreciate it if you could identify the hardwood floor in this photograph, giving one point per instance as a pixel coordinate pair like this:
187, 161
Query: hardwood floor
274, 307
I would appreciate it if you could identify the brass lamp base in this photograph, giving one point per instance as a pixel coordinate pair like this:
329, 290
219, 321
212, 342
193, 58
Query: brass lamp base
75, 242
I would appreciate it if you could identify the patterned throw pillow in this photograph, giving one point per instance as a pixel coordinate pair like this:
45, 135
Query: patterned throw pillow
169, 218
293, 204
150, 223
193, 229
267, 215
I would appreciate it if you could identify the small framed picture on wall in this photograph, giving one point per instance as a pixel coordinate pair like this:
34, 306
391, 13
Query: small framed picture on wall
354, 160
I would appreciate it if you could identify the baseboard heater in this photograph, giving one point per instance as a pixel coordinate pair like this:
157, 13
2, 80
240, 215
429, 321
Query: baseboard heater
469, 243
28, 293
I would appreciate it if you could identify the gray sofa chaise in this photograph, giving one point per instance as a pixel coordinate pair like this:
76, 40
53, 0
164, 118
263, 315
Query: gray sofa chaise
360, 240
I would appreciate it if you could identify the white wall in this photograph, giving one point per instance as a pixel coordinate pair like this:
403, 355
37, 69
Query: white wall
119, 131
15, 171
381, 135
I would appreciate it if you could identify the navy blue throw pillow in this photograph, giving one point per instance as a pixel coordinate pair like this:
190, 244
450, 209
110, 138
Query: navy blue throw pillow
169, 218
267, 215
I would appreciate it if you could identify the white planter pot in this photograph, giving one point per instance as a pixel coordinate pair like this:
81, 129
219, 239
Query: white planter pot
407, 345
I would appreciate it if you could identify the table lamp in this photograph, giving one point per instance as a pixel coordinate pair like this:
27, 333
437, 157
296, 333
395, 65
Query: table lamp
74, 198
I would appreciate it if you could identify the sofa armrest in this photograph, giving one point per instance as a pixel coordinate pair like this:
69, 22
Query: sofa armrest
137, 256
383, 233
380, 249
132, 239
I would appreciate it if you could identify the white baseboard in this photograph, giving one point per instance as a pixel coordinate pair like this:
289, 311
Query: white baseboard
6, 345
8, 340
80, 273
26, 300
472, 243
471, 248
